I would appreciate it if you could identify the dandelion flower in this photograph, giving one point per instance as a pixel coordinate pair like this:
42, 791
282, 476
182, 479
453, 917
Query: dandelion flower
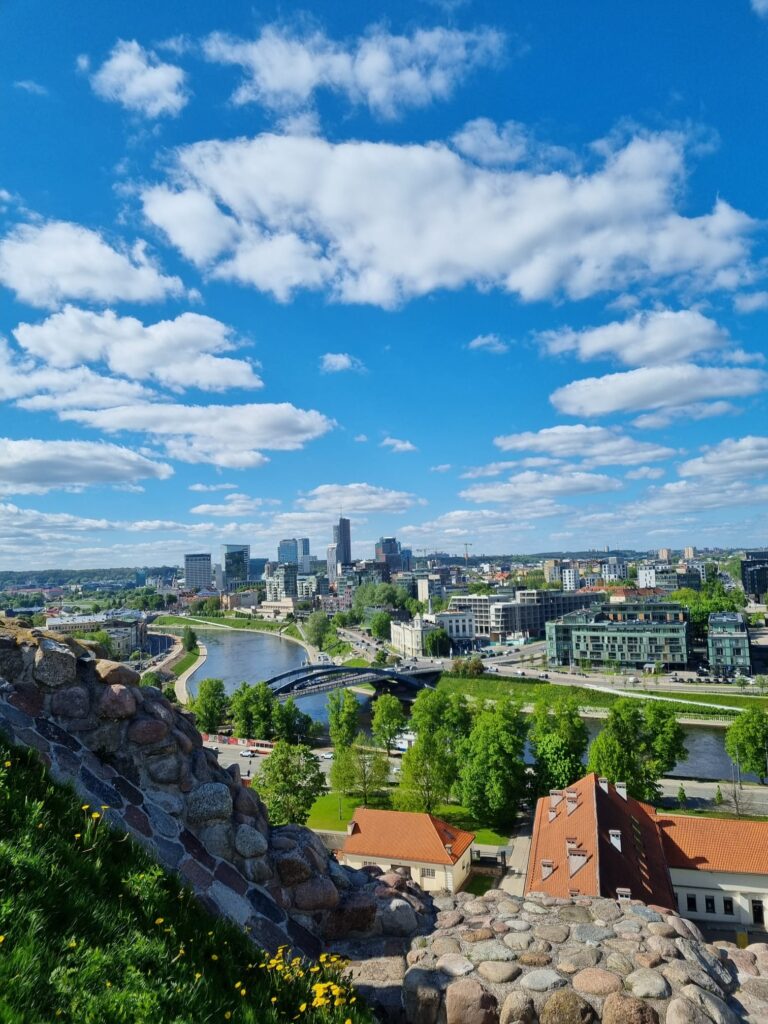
302, 1008
159, 920
273, 999
85, 807
227, 1015
214, 956
8, 764
77, 835
198, 976
95, 815
2, 939
242, 991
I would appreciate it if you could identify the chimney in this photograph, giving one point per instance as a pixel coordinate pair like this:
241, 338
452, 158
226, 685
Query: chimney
351, 827
576, 858
615, 835
571, 800
621, 789
603, 783
449, 849
552, 814
547, 867
555, 796
624, 894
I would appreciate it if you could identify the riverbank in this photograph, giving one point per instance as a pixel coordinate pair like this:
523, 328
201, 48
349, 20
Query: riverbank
237, 624
180, 685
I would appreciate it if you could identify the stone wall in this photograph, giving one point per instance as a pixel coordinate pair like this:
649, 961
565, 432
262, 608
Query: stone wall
128, 749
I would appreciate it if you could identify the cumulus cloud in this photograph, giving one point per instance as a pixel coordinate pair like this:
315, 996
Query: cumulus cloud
359, 497
444, 467
395, 444
30, 86
222, 435
458, 524
600, 446
690, 411
489, 343
386, 72
139, 81
205, 488
361, 438
234, 506
658, 336
532, 484
742, 458
34, 466
485, 142
760, 7
45, 264
751, 302
338, 362
645, 473
655, 387
380, 223
179, 354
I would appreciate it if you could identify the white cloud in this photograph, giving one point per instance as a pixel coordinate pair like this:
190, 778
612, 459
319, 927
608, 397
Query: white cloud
45, 264
179, 354
337, 362
531, 484
760, 7
444, 467
356, 498
751, 302
223, 435
659, 336
234, 506
386, 72
192, 219
139, 81
655, 387
452, 527
485, 142
743, 458
380, 223
600, 446
361, 438
645, 473
30, 86
34, 466
690, 411
489, 343
212, 487
395, 444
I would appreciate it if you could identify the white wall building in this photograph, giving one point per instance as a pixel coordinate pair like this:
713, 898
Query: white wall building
570, 578
458, 624
408, 637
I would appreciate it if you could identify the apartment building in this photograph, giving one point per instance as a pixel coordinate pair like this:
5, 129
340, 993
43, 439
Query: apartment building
728, 644
754, 574
667, 578
525, 613
198, 571
633, 635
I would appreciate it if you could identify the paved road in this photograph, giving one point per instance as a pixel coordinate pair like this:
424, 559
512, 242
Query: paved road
230, 754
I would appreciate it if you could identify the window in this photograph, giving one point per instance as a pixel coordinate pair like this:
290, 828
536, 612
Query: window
709, 904
691, 902
427, 872
369, 864
727, 905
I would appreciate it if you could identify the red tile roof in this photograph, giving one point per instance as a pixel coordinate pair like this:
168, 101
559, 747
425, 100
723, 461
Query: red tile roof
715, 844
600, 868
403, 835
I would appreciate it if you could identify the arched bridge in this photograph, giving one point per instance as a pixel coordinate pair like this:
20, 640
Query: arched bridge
310, 679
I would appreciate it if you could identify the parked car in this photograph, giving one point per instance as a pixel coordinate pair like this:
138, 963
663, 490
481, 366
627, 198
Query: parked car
247, 753
328, 756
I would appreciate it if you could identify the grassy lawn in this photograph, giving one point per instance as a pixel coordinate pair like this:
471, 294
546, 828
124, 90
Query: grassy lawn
737, 700
186, 662
94, 932
457, 815
359, 663
336, 648
235, 622
478, 884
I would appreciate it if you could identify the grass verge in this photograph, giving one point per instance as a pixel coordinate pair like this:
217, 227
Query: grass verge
235, 622
186, 662
94, 932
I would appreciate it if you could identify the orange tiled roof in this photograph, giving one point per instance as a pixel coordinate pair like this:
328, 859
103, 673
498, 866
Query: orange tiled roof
715, 844
403, 835
602, 869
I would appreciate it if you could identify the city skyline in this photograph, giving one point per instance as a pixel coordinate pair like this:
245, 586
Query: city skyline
482, 276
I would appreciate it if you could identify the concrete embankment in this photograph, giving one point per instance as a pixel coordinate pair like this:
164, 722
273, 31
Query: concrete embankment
182, 693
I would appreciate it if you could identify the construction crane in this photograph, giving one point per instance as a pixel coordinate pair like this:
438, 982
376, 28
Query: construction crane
466, 554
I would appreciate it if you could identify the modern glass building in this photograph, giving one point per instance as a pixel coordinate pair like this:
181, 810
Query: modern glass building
198, 571
235, 561
728, 644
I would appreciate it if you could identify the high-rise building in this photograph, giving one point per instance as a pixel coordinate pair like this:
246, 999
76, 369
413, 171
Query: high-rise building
198, 571
235, 562
332, 562
256, 568
689, 553
288, 552
664, 554
391, 557
304, 558
754, 573
282, 583
571, 578
342, 538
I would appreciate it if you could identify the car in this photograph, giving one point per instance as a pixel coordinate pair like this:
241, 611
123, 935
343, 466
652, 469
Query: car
327, 756
214, 749
247, 753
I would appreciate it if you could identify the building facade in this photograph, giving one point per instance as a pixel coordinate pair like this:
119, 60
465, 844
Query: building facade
303, 556
235, 564
632, 635
342, 538
127, 633
288, 551
198, 571
408, 637
728, 644
283, 582
754, 574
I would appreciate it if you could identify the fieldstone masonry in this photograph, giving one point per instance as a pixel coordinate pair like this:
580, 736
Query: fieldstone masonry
127, 748
493, 959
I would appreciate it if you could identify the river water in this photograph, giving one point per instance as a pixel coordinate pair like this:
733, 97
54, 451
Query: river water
237, 656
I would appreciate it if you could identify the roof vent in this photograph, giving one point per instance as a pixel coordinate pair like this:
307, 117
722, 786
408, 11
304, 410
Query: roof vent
547, 867
552, 814
624, 894
603, 783
576, 858
352, 827
449, 849
571, 800
621, 789
615, 835
555, 796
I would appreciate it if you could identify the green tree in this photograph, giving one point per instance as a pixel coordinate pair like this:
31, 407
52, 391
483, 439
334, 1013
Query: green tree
317, 628
380, 625
102, 638
682, 797
343, 711
556, 767
437, 644
189, 639
425, 778
169, 692
388, 720
718, 798
211, 606
210, 705
481, 589
290, 724
415, 607
152, 678
493, 776
640, 742
289, 782
746, 741
360, 770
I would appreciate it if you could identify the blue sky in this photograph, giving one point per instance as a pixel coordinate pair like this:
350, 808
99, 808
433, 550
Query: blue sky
472, 272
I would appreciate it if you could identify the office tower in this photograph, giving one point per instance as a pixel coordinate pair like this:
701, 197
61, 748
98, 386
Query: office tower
256, 568
282, 583
198, 572
664, 554
235, 560
287, 552
304, 558
218, 576
689, 553
342, 538
332, 563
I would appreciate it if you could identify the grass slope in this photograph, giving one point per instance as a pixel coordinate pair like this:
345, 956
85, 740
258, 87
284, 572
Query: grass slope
186, 662
234, 621
94, 932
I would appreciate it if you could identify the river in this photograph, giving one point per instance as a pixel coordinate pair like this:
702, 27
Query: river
237, 656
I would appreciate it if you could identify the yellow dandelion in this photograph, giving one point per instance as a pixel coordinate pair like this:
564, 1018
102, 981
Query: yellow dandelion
77, 835
302, 1008
159, 920
238, 984
8, 764
348, 1020
2, 939
214, 956
198, 976
227, 1015
314, 970
85, 807
242, 991
108, 984
273, 999
105, 807
71, 944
